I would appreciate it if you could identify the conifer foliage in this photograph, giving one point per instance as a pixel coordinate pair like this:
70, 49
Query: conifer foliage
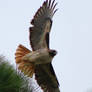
10, 80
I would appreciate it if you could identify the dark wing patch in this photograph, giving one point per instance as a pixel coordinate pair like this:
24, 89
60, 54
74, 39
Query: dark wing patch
42, 22
46, 78
47, 39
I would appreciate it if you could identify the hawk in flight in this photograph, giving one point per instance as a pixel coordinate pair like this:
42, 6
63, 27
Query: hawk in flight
38, 61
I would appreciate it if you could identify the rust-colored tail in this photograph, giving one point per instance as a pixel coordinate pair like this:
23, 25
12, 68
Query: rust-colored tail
26, 67
20, 52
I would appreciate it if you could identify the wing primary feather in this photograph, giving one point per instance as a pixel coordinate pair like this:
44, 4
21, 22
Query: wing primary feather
55, 11
42, 10
46, 4
52, 4
49, 3
46, 1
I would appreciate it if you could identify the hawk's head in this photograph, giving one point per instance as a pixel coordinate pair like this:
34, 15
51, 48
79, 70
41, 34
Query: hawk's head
52, 53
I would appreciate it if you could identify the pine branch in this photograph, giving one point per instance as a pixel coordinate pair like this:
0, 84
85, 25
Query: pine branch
10, 80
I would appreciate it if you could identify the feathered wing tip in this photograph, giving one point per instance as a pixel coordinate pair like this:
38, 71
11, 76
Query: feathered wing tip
26, 67
46, 11
51, 6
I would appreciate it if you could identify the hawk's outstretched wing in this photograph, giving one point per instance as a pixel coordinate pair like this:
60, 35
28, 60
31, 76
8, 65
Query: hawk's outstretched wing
42, 21
46, 78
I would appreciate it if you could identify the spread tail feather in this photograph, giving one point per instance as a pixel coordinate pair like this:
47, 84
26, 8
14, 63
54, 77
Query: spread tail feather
26, 67
20, 52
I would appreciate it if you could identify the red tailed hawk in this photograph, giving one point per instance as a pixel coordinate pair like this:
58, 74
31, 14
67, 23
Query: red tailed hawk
38, 61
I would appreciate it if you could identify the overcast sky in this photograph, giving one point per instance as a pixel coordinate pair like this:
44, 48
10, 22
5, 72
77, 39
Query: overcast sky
71, 36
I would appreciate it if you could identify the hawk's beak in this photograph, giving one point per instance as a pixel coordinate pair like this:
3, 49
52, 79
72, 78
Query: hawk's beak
52, 52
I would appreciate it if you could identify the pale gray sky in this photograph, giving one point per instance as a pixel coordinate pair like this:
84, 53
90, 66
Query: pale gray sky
71, 36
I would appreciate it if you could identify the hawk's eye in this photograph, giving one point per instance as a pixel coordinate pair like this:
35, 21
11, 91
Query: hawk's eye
52, 52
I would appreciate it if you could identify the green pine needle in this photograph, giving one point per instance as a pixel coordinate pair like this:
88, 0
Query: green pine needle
10, 80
